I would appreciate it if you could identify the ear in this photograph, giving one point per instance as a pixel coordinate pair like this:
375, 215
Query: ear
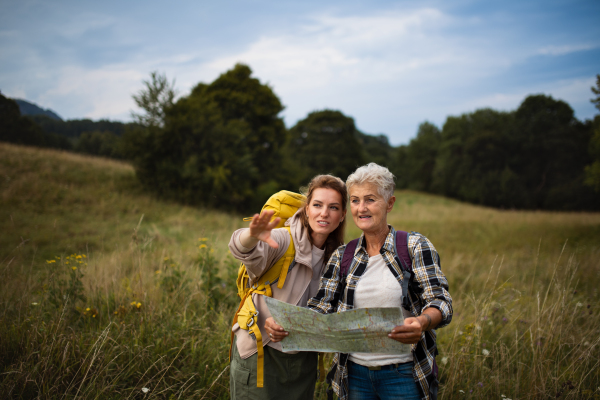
391, 202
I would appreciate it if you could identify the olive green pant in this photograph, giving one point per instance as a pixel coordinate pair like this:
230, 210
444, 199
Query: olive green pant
286, 376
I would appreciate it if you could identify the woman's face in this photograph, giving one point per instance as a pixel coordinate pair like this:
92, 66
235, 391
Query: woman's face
369, 208
324, 213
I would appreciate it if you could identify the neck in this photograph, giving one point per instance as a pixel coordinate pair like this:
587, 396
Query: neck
376, 239
318, 240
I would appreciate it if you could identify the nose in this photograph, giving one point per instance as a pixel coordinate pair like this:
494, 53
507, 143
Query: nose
362, 206
325, 211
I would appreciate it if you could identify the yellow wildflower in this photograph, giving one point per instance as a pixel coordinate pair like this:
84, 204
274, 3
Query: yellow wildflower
78, 257
166, 259
67, 263
203, 239
57, 257
50, 261
138, 305
157, 272
133, 303
83, 255
87, 309
202, 246
73, 268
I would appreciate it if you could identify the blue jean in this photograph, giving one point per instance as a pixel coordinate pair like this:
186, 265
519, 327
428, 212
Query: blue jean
387, 383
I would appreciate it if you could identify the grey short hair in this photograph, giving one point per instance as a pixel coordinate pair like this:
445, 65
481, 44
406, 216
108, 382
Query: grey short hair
375, 174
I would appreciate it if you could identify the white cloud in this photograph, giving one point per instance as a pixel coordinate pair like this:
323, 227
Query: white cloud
389, 69
566, 49
349, 63
99, 93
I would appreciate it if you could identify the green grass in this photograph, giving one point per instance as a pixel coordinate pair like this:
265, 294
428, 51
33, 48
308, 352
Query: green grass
148, 308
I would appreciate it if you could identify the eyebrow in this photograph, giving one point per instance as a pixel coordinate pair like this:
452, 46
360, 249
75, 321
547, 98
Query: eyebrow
331, 204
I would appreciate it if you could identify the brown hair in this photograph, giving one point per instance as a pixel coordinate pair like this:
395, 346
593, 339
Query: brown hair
335, 238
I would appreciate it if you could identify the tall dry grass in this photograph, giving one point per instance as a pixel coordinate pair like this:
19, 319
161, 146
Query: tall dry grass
149, 305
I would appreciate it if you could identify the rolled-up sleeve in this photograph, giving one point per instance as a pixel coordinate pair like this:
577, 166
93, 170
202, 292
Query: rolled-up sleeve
428, 274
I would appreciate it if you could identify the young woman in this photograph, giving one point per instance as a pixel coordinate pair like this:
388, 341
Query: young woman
317, 229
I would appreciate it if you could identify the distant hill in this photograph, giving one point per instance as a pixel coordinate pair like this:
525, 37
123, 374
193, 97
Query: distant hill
32, 109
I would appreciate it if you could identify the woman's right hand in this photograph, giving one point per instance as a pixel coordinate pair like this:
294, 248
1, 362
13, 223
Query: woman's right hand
260, 229
275, 331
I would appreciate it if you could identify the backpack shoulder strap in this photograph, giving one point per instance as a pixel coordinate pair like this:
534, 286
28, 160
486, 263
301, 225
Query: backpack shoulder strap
403, 257
401, 248
288, 260
347, 258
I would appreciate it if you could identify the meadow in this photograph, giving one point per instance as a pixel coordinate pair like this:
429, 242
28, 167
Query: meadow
108, 293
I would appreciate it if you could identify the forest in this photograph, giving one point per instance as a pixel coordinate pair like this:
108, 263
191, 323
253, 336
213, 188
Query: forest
225, 145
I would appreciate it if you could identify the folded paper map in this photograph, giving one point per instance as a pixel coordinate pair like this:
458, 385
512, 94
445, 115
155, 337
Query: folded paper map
363, 330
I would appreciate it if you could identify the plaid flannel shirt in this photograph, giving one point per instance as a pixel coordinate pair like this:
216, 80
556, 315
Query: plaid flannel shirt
429, 288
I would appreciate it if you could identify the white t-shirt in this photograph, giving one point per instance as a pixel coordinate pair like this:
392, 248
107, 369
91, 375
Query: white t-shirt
378, 287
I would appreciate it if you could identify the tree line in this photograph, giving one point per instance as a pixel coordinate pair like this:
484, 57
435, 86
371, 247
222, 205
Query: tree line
225, 146
101, 138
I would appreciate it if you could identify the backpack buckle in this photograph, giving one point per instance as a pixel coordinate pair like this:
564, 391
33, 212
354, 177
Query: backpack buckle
251, 319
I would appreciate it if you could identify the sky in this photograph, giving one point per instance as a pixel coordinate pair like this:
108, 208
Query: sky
390, 65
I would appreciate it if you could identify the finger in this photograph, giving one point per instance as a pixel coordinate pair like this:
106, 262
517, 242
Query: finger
254, 220
403, 329
273, 223
266, 215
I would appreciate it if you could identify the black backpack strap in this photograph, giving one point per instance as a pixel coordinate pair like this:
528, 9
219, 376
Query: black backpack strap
348, 256
403, 258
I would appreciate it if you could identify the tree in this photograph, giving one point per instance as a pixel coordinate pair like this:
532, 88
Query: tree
552, 152
219, 146
472, 162
377, 149
105, 144
420, 156
15, 128
325, 142
596, 91
154, 99
592, 171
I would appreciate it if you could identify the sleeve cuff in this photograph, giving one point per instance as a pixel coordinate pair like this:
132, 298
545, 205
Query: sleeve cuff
240, 247
443, 308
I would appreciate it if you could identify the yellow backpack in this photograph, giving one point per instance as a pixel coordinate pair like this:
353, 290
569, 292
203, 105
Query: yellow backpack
285, 204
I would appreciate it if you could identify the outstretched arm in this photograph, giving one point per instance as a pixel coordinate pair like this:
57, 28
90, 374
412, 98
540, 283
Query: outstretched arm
260, 230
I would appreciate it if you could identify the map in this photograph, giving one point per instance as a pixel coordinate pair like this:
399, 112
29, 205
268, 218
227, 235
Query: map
363, 330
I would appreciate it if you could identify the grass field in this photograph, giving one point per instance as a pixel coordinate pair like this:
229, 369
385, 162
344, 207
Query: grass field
106, 291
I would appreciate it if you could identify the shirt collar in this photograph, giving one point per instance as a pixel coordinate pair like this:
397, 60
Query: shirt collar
388, 245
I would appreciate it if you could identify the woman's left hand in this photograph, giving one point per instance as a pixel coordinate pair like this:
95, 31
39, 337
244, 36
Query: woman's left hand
276, 332
408, 333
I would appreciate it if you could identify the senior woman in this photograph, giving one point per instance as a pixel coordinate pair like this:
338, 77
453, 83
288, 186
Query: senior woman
316, 230
374, 279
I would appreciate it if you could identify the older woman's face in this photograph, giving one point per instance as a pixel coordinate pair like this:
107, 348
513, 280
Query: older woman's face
369, 208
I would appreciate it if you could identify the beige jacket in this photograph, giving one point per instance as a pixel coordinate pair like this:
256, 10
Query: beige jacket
262, 257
